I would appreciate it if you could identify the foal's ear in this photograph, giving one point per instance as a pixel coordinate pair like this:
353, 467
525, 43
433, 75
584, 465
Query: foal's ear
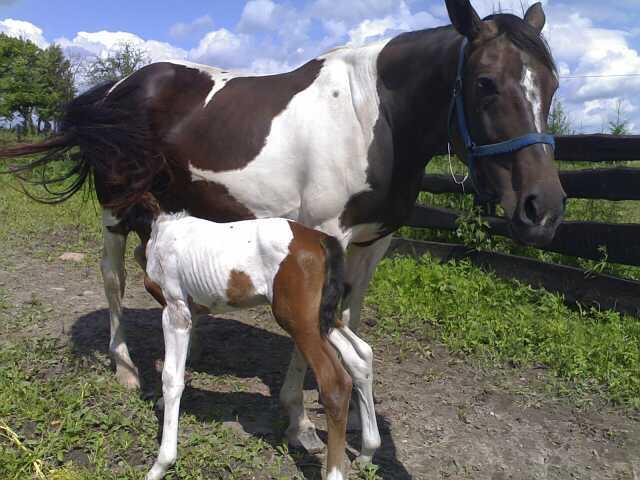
535, 16
464, 18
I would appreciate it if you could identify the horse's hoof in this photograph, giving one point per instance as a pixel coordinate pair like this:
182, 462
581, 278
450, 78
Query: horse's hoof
364, 459
307, 439
128, 379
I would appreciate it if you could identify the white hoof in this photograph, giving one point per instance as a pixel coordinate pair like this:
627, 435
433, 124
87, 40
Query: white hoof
128, 378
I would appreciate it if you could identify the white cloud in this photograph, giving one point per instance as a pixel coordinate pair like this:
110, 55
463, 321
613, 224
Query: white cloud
517, 7
353, 10
595, 56
103, 42
222, 48
182, 29
25, 30
260, 15
398, 21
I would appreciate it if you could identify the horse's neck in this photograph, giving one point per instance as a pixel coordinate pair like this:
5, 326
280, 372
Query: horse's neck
417, 74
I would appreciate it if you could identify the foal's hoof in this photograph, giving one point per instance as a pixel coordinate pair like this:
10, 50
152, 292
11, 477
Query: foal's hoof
307, 439
128, 378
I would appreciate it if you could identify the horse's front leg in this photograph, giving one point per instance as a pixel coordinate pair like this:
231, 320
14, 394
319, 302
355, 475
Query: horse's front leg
176, 326
357, 357
360, 264
113, 277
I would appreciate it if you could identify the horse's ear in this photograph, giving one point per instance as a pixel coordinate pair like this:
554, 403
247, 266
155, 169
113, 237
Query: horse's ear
464, 18
535, 16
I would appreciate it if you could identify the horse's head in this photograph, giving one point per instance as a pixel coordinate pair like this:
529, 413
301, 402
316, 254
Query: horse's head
508, 82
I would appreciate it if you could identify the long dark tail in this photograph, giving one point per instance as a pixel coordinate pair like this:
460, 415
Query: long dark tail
333, 287
115, 147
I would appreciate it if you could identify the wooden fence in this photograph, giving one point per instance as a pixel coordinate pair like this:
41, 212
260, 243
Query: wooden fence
575, 238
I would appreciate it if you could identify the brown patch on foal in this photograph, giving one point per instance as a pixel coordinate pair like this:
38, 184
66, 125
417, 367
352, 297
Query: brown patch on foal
240, 289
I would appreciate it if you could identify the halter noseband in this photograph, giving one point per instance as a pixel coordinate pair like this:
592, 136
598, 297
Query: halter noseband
474, 151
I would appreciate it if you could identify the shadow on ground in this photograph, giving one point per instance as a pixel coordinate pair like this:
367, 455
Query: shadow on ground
230, 348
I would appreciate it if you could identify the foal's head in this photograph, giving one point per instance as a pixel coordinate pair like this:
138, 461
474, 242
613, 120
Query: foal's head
509, 79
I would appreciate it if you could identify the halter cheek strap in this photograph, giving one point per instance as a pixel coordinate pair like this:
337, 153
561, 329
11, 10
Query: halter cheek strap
474, 151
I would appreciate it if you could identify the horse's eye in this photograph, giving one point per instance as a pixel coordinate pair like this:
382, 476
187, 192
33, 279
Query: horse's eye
486, 86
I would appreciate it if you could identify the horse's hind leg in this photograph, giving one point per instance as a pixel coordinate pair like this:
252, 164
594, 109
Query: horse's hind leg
113, 277
360, 265
301, 431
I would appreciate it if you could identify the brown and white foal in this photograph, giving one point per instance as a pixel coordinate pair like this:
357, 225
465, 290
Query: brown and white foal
196, 263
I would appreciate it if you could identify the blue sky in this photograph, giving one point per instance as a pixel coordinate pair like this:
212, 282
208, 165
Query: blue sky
591, 39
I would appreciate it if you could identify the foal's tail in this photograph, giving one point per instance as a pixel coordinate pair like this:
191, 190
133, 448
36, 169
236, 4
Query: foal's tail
333, 287
115, 148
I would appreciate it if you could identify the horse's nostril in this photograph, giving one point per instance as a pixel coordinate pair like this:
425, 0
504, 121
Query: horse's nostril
531, 209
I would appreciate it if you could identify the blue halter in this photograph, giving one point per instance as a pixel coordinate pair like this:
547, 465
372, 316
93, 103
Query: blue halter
476, 151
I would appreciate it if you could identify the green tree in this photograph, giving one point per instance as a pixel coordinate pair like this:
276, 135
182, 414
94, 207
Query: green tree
56, 84
619, 126
33, 82
19, 86
117, 65
559, 123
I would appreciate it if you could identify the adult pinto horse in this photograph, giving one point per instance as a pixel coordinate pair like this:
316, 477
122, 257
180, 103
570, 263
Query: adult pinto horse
340, 144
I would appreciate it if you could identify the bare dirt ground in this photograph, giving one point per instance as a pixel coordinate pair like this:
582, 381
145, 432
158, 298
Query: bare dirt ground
441, 416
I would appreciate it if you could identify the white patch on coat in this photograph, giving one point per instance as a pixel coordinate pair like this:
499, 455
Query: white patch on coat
315, 157
219, 76
196, 257
115, 85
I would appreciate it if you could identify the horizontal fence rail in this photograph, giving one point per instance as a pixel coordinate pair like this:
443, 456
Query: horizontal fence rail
618, 183
578, 239
597, 148
577, 285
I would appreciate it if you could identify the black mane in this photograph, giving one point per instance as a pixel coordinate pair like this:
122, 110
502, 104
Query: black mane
525, 37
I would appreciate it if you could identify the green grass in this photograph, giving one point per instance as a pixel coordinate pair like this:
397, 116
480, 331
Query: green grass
56, 408
26, 224
474, 312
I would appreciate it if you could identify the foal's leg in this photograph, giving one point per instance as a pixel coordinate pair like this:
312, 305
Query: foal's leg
335, 390
113, 277
195, 349
357, 357
301, 431
176, 325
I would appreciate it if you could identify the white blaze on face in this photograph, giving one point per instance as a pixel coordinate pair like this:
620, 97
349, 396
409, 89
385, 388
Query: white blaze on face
533, 95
